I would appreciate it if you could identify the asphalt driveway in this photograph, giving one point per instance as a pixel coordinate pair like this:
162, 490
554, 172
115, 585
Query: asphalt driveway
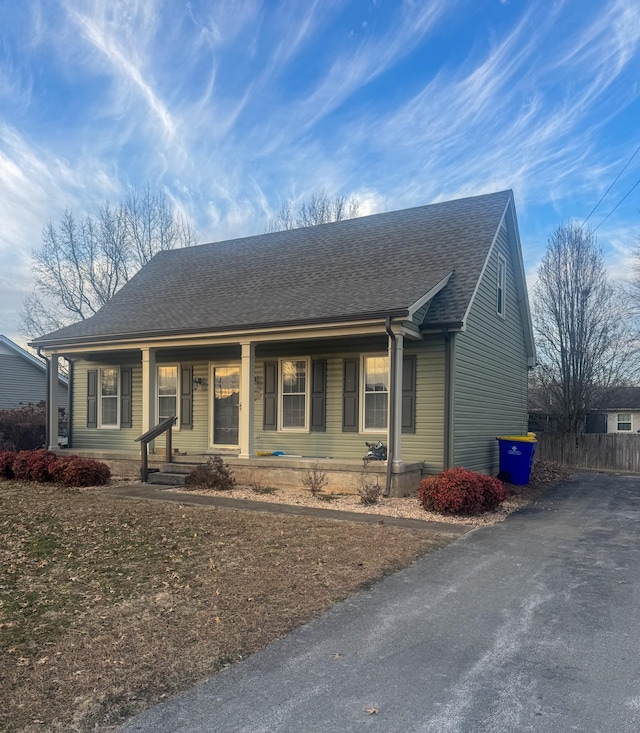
530, 625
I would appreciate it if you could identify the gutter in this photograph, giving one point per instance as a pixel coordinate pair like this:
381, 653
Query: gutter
392, 403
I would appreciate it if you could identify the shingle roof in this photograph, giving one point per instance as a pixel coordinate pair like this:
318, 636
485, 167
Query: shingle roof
369, 266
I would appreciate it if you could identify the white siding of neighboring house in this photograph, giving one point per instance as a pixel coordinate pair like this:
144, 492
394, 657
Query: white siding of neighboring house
612, 422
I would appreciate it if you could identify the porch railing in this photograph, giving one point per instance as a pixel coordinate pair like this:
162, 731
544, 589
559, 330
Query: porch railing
146, 438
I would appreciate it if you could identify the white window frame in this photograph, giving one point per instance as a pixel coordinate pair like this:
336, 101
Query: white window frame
118, 397
176, 424
628, 422
501, 287
307, 395
363, 391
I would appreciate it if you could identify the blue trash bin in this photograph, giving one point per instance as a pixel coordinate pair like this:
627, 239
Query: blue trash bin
516, 457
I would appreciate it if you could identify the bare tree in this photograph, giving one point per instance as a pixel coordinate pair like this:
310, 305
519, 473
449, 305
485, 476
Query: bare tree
320, 209
581, 319
83, 263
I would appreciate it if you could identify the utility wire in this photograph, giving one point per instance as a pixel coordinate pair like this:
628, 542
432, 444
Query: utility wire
609, 189
635, 185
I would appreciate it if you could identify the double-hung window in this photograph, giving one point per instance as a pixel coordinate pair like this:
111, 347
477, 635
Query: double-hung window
294, 385
624, 421
109, 392
167, 392
376, 392
501, 285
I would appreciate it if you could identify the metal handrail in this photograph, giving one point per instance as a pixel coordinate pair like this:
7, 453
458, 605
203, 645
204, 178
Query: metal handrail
147, 437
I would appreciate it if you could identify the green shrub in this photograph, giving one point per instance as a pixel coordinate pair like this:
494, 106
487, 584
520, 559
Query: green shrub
76, 471
459, 491
214, 474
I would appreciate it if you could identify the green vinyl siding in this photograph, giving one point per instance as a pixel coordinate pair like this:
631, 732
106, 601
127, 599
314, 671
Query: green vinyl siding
83, 437
426, 444
490, 381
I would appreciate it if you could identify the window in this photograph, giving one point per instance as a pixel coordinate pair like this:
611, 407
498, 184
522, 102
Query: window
501, 290
167, 392
376, 392
109, 397
624, 421
294, 393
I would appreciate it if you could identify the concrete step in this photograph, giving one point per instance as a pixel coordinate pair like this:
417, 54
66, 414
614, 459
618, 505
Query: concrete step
168, 479
183, 468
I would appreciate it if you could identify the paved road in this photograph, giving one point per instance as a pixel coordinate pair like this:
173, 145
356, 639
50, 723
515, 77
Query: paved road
531, 625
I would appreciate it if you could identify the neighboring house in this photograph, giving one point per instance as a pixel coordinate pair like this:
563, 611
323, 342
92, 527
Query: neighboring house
23, 378
411, 327
618, 411
614, 410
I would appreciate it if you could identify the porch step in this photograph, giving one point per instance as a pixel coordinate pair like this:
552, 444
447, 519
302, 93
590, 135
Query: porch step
172, 474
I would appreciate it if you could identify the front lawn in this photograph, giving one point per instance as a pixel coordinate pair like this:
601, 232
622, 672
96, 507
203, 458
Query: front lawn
109, 605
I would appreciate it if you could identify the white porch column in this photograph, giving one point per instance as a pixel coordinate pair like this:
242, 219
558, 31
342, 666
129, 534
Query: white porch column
148, 389
52, 405
247, 372
396, 357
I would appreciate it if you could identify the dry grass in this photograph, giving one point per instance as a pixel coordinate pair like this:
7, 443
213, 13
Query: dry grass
108, 605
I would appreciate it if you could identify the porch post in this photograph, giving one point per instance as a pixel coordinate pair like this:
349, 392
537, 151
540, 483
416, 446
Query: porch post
396, 374
148, 389
52, 405
247, 372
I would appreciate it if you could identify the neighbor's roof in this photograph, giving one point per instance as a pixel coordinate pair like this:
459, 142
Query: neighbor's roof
360, 268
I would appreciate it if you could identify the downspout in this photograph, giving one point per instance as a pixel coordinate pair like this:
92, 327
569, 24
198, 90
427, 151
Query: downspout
47, 396
392, 404
448, 398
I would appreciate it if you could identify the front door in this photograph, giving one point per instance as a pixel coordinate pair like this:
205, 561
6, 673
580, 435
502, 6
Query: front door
226, 401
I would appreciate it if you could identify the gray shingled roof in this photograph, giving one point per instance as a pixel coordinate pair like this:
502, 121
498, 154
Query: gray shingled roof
370, 266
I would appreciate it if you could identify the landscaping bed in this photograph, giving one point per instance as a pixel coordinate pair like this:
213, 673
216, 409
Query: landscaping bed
109, 605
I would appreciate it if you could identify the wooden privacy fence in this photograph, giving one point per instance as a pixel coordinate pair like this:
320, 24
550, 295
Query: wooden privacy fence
609, 451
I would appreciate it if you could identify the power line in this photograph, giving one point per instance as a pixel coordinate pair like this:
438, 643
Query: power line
635, 185
609, 189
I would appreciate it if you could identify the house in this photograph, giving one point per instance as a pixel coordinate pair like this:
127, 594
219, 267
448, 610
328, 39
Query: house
410, 327
613, 410
23, 378
617, 411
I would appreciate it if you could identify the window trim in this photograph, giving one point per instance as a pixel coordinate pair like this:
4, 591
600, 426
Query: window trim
501, 286
176, 424
118, 397
625, 422
307, 395
363, 391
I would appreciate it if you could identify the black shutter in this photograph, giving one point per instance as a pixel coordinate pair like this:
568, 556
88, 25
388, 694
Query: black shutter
409, 393
92, 398
350, 396
319, 395
270, 417
125, 397
186, 398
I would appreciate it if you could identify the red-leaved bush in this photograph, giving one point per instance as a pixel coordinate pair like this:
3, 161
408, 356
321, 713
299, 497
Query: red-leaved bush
76, 471
459, 491
6, 464
33, 465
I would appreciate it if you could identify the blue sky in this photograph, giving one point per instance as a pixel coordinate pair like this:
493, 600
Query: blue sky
233, 107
